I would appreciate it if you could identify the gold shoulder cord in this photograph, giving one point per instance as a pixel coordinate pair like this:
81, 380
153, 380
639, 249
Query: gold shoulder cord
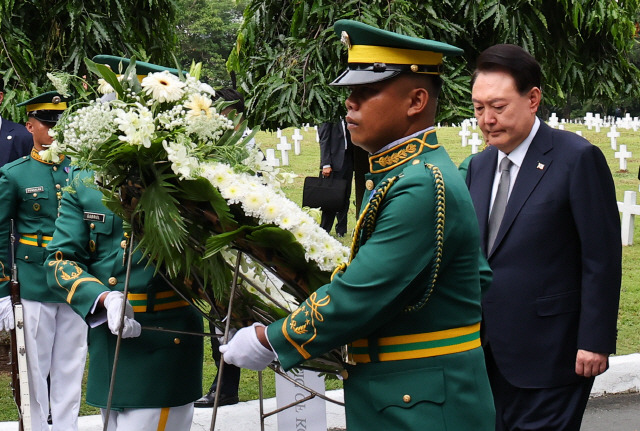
366, 224
439, 213
366, 221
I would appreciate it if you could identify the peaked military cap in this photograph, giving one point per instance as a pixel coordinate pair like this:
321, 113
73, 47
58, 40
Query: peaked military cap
47, 107
376, 55
120, 64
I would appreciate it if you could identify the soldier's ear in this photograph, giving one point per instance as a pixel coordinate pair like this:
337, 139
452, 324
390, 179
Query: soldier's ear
419, 101
29, 125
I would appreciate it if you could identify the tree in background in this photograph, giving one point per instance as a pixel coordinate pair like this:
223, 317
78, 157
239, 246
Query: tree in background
207, 32
41, 36
286, 52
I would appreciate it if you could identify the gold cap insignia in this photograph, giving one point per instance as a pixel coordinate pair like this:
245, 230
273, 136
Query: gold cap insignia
414, 67
344, 38
56, 100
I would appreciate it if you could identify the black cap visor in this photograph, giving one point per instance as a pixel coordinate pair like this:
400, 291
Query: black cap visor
361, 76
46, 116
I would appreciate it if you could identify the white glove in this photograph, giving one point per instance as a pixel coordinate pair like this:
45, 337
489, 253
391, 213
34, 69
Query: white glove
113, 302
6, 314
245, 350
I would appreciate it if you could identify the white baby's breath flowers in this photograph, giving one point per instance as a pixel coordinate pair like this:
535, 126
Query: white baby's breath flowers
163, 86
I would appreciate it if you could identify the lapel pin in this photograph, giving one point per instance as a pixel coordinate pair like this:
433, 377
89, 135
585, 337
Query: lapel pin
540, 166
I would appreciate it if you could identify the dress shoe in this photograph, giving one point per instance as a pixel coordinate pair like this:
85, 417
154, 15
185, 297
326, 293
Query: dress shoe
209, 398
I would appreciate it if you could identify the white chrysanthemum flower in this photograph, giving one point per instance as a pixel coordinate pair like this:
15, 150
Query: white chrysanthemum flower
163, 86
182, 163
137, 125
104, 87
206, 88
199, 105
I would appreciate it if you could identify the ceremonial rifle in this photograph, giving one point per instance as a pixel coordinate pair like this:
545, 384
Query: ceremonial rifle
19, 375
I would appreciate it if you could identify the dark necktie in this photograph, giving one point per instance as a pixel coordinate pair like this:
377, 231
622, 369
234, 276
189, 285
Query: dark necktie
500, 202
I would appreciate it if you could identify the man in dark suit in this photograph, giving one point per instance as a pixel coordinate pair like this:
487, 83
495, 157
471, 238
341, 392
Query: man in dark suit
336, 161
15, 140
550, 228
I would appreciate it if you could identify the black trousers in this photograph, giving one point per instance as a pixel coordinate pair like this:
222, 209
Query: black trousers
230, 373
541, 409
346, 173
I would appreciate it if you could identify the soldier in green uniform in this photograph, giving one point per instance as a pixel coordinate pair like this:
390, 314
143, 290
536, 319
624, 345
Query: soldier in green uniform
30, 192
159, 374
408, 304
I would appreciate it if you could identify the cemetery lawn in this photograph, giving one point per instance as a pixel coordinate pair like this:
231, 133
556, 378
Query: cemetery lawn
307, 164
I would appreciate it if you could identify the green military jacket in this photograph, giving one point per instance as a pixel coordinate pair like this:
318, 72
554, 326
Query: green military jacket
87, 257
408, 305
30, 192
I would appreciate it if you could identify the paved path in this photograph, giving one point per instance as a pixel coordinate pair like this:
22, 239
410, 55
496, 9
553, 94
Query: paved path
619, 412
614, 406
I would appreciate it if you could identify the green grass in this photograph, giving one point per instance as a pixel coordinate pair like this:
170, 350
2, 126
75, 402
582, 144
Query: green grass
307, 164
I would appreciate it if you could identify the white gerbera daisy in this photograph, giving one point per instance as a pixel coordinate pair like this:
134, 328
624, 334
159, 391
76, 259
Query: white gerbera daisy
163, 86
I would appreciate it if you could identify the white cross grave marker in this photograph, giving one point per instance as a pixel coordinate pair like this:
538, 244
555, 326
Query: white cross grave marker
474, 123
271, 159
560, 126
578, 132
623, 155
588, 120
464, 132
278, 133
284, 146
629, 210
475, 142
613, 134
317, 135
553, 120
297, 138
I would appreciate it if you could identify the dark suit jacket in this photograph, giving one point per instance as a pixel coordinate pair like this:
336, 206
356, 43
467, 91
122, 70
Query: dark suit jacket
15, 141
556, 260
332, 151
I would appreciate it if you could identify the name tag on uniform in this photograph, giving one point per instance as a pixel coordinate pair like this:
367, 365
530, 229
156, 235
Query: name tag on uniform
94, 217
34, 190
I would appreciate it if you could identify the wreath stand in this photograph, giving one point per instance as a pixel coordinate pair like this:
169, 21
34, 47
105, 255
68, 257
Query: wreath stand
276, 368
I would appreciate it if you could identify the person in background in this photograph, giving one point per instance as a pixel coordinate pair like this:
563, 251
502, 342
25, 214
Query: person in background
55, 337
15, 140
336, 161
230, 374
550, 228
408, 304
159, 374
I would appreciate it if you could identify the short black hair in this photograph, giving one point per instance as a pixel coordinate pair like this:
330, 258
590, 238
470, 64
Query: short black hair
512, 59
230, 94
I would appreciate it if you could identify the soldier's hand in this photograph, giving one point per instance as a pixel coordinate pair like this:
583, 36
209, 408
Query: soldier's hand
6, 314
246, 351
113, 302
326, 172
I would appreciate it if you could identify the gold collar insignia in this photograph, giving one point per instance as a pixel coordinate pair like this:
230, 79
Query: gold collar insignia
399, 154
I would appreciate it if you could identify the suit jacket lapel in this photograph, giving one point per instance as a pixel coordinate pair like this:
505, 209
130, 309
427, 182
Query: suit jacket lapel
535, 164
